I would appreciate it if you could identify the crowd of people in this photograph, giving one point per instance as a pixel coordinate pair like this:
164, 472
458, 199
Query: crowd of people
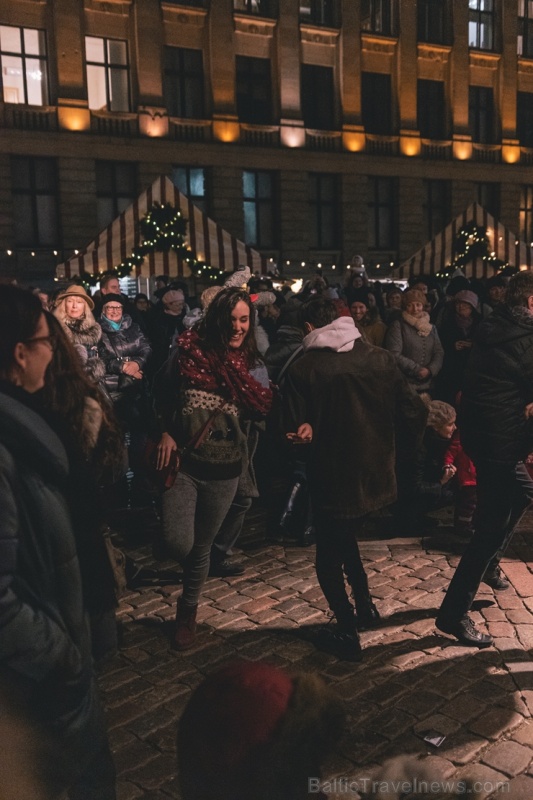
371, 396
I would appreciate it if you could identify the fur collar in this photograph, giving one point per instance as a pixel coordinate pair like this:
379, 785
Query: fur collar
421, 324
522, 315
83, 331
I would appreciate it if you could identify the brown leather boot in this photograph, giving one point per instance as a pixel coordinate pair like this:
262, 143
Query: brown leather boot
185, 626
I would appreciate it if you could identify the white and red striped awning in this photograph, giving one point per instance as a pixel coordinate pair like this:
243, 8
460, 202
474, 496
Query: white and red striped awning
437, 254
207, 240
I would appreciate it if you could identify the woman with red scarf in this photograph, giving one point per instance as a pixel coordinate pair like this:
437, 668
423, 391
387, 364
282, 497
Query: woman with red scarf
215, 361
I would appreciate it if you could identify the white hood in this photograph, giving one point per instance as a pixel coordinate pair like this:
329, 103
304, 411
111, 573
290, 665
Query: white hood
338, 336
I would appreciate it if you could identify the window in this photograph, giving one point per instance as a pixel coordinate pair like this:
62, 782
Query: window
258, 196
524, 118
184, 82
24, 65
525, 28
254, 90
323, 197
317, 82
431, 109
116, 189
379, 16
376, 98
436, 206
263, 8
481, 114
107, 74
320, 12
526, 213
481, 24
381, 214
434, 21
35, 201
192, 181
488, 196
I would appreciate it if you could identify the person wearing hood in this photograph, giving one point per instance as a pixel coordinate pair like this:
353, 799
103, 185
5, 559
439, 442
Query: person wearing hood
166, 323
348, 401
456, 334
497, 434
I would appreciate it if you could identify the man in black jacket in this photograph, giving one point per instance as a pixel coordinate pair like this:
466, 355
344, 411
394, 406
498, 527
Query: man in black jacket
497, 434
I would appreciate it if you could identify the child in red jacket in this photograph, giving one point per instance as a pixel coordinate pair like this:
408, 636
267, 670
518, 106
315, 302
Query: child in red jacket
465, 477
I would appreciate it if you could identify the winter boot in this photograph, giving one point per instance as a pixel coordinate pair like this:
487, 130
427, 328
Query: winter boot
185, 633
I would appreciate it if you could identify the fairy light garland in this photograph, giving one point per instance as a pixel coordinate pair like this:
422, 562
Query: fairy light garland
163, 229
472, 243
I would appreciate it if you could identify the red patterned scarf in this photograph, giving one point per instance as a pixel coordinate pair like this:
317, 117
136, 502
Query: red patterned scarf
229, 377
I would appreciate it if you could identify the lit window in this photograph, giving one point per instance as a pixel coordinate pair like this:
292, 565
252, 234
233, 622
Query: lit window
379, 16
24, 65
320, 12
107, 74
481, 24
263, 8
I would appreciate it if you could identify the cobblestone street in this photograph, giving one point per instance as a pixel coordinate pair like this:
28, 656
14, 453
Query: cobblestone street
411, 679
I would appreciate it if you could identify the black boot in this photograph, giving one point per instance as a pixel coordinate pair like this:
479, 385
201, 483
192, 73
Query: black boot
342, 640
493, 577
367, 615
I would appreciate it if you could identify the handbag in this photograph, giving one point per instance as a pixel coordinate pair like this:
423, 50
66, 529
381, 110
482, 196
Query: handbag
165, 478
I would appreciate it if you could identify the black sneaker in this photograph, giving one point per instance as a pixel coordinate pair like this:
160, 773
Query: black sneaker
225, 569
494, 579
346, 646
367, 617
465, 632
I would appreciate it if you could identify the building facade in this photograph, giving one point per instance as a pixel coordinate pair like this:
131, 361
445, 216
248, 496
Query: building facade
311, 129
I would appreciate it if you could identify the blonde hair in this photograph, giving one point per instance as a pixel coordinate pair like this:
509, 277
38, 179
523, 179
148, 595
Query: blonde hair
60, 312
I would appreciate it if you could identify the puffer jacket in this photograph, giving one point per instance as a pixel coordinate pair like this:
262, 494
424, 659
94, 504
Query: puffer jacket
45, 659
497, 387
128, 343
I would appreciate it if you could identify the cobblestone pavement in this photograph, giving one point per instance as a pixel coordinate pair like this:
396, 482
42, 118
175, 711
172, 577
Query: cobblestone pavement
411, 679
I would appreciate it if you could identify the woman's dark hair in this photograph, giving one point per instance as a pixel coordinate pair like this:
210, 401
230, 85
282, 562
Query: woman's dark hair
216, 329
65, 390
20, 312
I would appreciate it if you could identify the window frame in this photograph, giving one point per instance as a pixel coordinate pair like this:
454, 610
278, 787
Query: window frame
181, 80
525, 29
115, 194
526, 213
110, 66
436, 205
257, 8
313, 111
33, 193
480, 112
373, 111
432, 15
258, 201
201, 201
426, 109
318, 205
375, 205
370, 17
480, 18
246, 76
43, 59
321, 13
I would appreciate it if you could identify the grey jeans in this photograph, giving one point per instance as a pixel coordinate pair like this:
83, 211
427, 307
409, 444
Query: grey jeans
193, 511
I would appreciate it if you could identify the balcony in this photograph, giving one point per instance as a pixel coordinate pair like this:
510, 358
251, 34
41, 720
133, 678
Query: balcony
108, 124
260, 135
29, 118
487, 153
436, 150
382, 145
323, 140
190, 130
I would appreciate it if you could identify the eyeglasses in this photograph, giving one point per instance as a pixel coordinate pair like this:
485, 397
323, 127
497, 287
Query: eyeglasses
49, 340
113, 308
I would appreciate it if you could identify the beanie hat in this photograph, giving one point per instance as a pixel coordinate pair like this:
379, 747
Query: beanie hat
75, 291
440, 414
239, 278
250, 727
413, 296
466, 296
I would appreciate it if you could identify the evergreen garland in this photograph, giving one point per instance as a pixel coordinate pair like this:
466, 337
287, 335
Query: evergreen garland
163, 229
472, 243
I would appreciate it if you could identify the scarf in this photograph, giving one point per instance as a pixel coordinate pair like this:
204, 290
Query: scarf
227, 376
421, 324
115, 326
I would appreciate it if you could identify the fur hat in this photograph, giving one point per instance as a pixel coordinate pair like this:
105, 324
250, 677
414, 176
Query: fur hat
238, 278
75, 291
466, 296
113, 298
251, 730
413, 296
440, 413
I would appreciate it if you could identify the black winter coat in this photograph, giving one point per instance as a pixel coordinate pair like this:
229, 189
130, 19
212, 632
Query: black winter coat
45, 660
116, 346
497, 387
288, 339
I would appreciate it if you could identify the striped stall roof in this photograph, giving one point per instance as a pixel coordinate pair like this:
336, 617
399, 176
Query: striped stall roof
437, 254
207, 240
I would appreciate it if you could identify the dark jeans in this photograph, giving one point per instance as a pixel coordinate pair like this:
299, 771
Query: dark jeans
504, 492
337, 554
